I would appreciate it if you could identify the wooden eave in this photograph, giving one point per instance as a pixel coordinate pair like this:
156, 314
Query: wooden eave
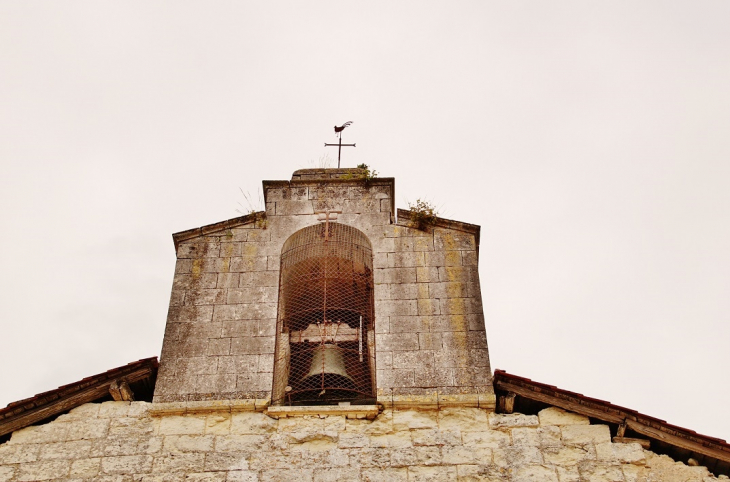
23, 413
680, 443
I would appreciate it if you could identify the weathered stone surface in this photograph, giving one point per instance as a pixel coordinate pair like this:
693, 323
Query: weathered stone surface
557, 416
450, 443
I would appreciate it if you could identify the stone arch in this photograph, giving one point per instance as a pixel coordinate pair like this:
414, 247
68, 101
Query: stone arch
325, 333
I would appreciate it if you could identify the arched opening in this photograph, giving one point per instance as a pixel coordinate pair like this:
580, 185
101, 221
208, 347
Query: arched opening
325, 340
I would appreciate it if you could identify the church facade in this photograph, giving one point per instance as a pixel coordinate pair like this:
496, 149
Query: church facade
332, 337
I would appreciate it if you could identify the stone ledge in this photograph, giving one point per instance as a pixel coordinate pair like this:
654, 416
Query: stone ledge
350, 411
161, 409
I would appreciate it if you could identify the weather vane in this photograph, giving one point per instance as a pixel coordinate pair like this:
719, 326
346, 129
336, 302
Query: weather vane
338, 131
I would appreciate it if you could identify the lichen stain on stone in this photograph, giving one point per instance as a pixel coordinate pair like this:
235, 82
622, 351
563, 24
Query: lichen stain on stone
249, 250
458, 323
197, 268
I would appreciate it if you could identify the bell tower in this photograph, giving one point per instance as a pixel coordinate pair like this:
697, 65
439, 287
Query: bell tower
329, 296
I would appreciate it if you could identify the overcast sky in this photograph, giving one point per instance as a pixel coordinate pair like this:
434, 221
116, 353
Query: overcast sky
590, 140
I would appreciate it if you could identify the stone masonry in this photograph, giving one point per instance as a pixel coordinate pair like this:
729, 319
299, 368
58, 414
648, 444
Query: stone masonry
430, 342
126, 442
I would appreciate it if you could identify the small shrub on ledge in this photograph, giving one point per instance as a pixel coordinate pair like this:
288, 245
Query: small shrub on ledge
422, 214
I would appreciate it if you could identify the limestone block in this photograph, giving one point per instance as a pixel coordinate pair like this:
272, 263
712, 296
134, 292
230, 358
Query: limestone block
151, 445
349, 440
430, 341
526, 436
481, 473
568, 474
252, 294
252, 345
86, 429
631, 453
485, 438
569, 456
557, 416
501, 421
599, 472
137, 409
242, 476
48, 433
464, 419
405, 291
18, 453
252, 423
441, 473
428, 307
219, 383
199, 297
403, 457
454, 455
65, 450
394, 275
380, 425
427, 274
190, 313
411, 419
256, 311
206, 477
509, 457
182, 425
449, 289
115, 445
87, 467
188, 443
550, 436
434, 377
442, 258
393, 440
238, 443
228, 461
535, 473
422, 359
435, 437
259, 278
196, 365
218, 347
248, 263
227, 280
127, 464
392, 474
6, 474
199, 249
396, 341
371, 456
179, 462
583, 434
336, 474
48, 469
184, 265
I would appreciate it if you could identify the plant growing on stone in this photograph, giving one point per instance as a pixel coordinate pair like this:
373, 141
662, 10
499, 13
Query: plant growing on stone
365, 173
422, 214
253, 209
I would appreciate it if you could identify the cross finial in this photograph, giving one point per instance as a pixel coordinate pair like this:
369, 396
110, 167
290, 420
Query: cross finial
338, 131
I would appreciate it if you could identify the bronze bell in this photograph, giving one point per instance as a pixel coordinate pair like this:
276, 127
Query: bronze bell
328, 368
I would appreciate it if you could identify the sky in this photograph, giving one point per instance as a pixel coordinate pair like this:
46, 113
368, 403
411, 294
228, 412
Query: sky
588, 139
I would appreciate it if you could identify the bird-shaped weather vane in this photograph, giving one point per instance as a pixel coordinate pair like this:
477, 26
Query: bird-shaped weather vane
338, 131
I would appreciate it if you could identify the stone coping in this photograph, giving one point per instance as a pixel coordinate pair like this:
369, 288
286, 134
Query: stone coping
160, 409
399, 402
349, 411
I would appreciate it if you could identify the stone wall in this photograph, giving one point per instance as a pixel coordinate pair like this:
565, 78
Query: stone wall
430, 339
138, 441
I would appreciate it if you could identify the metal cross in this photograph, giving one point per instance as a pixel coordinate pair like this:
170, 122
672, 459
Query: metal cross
339, 130
327, 213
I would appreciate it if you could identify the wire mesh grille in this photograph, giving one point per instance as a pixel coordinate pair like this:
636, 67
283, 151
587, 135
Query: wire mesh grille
325, 351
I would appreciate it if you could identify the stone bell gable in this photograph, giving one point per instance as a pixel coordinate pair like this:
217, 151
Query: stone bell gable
425, 338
